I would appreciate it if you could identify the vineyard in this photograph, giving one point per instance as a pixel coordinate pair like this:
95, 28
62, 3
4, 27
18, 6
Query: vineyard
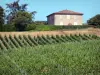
9, 42
72, 58
50, 55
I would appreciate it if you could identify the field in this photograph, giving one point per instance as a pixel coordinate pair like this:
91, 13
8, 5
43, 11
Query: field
70, 58
52, 54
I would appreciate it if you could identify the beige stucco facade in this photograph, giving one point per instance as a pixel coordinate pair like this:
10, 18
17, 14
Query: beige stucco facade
58, 19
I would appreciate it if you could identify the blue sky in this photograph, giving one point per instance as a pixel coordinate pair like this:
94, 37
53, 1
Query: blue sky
45, 7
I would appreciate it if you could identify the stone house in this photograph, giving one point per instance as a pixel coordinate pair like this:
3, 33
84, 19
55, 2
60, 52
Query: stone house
65, 17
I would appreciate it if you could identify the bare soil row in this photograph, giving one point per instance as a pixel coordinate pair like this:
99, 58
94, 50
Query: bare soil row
60, 32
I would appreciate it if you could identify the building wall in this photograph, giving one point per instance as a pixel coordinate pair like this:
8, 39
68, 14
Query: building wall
68, 20
51, 20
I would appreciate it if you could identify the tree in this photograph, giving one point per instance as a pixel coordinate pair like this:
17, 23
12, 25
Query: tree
1, 18
94, 20
18, 15
21, 20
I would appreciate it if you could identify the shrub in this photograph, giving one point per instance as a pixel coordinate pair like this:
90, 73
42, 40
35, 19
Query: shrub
53, 27
76, 27
40, 22
98, 26
33, 27
43, 28
30, 27
8, 28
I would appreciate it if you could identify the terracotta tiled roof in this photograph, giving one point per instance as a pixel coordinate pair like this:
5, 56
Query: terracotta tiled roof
66, 12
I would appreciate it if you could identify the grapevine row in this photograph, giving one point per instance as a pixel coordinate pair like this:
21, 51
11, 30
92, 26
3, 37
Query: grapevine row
9, 42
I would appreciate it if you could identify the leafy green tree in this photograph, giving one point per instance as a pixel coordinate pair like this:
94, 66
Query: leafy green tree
1, 18
17, 14
94, 20
21, 20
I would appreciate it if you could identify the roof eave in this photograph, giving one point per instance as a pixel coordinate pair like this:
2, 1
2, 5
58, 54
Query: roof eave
64, 14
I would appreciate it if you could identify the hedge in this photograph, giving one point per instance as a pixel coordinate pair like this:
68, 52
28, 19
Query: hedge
33, 27
53, 27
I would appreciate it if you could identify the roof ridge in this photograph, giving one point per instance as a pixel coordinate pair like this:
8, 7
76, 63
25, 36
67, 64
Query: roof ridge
68, 10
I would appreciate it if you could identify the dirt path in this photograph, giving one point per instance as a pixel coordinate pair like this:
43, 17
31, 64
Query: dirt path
60, 32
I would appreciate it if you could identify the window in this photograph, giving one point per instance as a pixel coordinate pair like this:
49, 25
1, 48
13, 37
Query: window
68, 16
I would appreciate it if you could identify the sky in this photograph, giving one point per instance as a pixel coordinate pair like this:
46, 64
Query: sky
45, 7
